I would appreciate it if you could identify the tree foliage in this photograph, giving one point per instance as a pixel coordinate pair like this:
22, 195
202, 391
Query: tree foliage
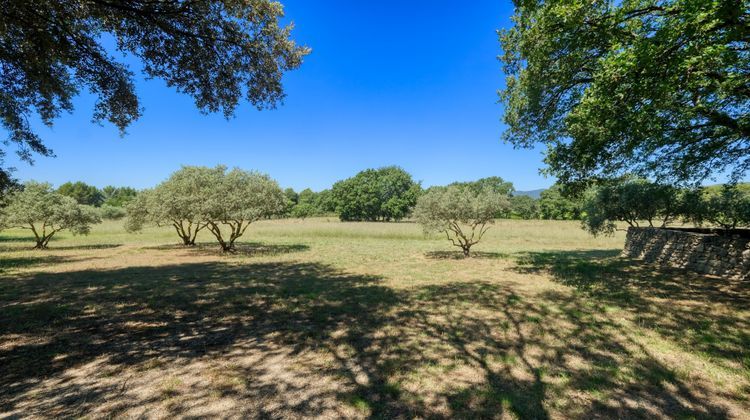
178, 202
554, 205
215, 51
238, 198
632, 201
727, 206
82, 193
196, 197
460, 212
108, 212
492, 183
654, 87
384, 194
524, 207
38, 208
118, 196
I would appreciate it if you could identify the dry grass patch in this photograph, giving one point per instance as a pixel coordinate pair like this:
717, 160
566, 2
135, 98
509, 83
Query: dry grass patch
324, 319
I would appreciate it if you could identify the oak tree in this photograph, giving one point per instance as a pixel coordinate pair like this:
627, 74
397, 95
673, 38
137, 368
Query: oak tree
218, 52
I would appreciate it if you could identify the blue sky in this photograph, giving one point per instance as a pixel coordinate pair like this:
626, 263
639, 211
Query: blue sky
412, 84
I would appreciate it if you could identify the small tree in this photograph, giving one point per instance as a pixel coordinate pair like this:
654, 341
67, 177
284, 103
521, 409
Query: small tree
180, 202
554, 205
238, 198
630, 201
462, 213
727, 207
39, 209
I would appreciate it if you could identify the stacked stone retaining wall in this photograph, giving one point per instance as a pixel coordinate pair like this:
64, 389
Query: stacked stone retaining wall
725, 255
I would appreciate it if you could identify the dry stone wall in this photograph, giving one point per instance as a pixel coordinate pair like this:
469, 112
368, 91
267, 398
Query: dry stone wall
704, 252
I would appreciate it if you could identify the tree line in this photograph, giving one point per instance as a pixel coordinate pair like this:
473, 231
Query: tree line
225, 202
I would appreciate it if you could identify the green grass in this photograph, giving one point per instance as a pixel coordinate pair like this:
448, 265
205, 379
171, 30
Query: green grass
320, 318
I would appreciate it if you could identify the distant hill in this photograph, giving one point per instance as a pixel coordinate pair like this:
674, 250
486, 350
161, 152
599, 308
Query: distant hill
532, 193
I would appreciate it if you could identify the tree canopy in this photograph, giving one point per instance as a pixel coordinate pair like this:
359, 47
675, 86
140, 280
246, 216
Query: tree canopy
385, 194
38, 208
460, 212
197, 197
82, 193
236, 199
660, 88
629, 200
554, 205
725, 206
218, 52
118, 196
178, 202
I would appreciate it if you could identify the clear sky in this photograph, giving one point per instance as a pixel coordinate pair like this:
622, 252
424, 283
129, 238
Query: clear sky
390, 82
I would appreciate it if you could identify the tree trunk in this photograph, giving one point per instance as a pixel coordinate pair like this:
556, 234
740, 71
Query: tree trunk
466, 249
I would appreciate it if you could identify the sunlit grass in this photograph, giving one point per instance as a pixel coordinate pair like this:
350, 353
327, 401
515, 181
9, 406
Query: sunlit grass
318, 318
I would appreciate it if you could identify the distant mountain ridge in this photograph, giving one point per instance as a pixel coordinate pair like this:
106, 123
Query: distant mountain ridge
531, 193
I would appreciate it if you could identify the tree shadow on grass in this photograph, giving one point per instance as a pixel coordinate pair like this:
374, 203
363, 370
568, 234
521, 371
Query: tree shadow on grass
246, 249
701, 313
375, 339
16, 239
29, 246
16, 263
458, 255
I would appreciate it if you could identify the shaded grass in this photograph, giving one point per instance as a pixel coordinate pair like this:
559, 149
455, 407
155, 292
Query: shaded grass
334, 327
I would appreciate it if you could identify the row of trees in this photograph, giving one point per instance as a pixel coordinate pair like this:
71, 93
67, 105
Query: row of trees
635, 201
195, 198
92, 196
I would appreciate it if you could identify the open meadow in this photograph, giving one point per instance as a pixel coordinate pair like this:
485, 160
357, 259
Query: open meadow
318, 318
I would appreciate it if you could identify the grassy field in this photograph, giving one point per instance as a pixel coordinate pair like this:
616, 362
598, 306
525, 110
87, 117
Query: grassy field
318, 318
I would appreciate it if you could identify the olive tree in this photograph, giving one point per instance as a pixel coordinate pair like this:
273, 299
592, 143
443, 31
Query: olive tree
236, 199
38, 208
462, 213
727, 206
180, 202
631, 201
